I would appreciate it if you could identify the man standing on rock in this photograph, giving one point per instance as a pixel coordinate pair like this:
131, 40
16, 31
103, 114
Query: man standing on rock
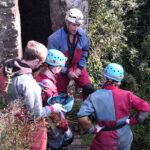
74, 43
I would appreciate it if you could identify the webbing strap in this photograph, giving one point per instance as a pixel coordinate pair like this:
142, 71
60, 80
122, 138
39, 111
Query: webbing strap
114, 127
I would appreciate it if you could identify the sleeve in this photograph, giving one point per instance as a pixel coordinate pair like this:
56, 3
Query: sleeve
48, 87
86, 108
52, 42
85, 52
32, 99
139, 104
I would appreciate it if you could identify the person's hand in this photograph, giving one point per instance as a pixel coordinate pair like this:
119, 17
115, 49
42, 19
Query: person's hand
95, 129
72, 75
78, 72
57, 108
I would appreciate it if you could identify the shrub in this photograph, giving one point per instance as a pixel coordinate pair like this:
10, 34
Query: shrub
15, 131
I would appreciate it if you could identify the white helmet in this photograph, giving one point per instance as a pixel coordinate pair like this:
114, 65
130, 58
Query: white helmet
74, 15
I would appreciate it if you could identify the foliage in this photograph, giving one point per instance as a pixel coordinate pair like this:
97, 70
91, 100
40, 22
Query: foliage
87, 138
106, 31
141, 136
106, 28
136, 56
2, 102
18, 133
94, 67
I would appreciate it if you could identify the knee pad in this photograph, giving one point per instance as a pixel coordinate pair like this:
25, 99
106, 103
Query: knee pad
87, 89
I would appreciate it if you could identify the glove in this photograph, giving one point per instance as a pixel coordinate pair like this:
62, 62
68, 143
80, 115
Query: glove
59, 120
63, 122
57, 108
132, 121
128, 121
95, 129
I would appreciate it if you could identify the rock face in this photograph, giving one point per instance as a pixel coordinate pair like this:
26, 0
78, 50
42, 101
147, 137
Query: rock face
58, 10
10, 39
23, 20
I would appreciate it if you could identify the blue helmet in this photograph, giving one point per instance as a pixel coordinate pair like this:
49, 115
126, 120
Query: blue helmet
66, 101
114, 71
56, 58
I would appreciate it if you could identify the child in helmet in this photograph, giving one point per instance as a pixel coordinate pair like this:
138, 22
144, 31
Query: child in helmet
47, 80
112, 107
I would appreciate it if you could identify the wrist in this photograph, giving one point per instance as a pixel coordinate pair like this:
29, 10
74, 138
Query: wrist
131, 121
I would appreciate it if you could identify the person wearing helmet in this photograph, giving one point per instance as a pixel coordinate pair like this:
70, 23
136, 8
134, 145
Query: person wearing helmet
112, 107
24, 87
74, 43
47, 77
47, 80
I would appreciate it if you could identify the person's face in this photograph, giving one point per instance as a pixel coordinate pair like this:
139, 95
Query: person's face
56, 70
72, 27
34, 64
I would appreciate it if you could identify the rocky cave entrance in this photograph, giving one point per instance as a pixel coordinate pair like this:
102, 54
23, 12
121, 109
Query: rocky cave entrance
35, 20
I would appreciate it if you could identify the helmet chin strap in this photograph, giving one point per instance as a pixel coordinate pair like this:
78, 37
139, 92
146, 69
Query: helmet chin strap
36, 69
54, 74
51, 70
